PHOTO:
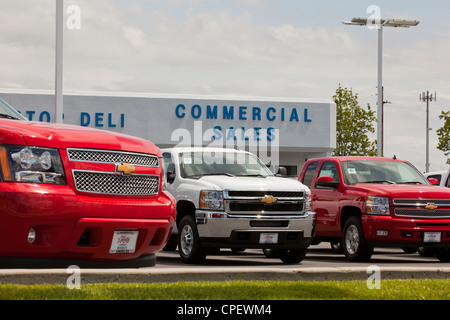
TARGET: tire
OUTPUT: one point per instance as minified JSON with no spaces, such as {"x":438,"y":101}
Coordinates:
{"x":443,"y":255}
{"x":426,"y":252}
{"x":270,"y":253}
{"x":189,"y":245}
{"x":291,"y":256}
{"x":353,"y":242}
{"x":336,"y":246}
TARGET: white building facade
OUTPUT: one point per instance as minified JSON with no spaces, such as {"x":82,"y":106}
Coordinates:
{"x":282,"y":132}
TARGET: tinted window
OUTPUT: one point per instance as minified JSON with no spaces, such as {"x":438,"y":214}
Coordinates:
{"x":309,"y":174}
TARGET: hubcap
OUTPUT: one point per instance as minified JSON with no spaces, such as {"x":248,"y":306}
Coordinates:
{"x":187,"y":240}
{"x":352,"y":239}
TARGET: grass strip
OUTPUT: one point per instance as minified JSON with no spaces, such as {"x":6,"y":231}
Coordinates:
{"x":414,"y":289}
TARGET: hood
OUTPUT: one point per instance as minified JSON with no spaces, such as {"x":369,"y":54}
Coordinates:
{"x":403,"y":190}
{"x":222,"y":182}
{"x":62,"y":136}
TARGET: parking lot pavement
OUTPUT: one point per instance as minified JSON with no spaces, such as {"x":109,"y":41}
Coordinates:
{"x":319,"y":264}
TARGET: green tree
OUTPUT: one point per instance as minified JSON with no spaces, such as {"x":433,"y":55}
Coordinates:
{"x":353,"y":124}
{"x":444,"y":134}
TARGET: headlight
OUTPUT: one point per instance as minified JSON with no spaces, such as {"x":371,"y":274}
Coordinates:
{"x":211,"y":200}
{"x":377,"y":205}
{"x":307,"y":201}
{"x":31,"y":164}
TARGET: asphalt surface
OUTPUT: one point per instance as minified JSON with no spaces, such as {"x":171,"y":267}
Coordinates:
{"x":319,"y":264}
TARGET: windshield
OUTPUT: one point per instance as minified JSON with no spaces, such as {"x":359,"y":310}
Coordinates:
{"x":8,"y":112}
{"x":376,"y":171}
{"x":230,"y":163}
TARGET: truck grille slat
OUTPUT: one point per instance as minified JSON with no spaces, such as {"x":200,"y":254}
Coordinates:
{"x":109,"y":183}
{"x":249,"y":203}
{"x":106,"y":156}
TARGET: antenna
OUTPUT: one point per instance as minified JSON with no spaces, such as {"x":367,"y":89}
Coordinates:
{"x":427,"y":97}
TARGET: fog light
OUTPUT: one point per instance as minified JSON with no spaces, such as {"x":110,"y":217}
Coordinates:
{"x":382,"y":233}
{"x":31,"y":236}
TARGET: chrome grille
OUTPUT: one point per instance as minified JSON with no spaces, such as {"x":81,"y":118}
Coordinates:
{"x":438,"y":213}
{"x":421,"y":202}
{"x":115,"y":184}
{"x":107,"y":156}
{"x":248,"y":203}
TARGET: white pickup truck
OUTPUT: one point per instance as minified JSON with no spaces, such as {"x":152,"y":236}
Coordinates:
{"x":443,"y":177}
{"x":228,"y":199}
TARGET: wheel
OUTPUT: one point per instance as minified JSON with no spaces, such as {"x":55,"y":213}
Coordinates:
{"x":189,"y":245}
{"x":426,"y":252}
{"x":336,"y":246}
{"x":270,"y":253}
{"x":354,"y":244}
{"x":443,"y":255}
{"x":291,"y":255}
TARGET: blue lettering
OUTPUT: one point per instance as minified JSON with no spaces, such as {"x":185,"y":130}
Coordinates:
{"x":257,"y":133}
{"x":217,"y":133}
{"x":98,"y":119}
{"x":228,"y":113}
{"x":294,"y":115}
{"x":269,"y":117}
{"x":177,"y":111}
{"x":243,"y":137}
{"x":195,"y":114}
{"x":85,"y":119}
{"x":282,"y":114}
{"x":46,"y":114}
{"x":242,"y":113}
{"x":231,"y":134}
{"x":110,"y":124}
{"x":256,"y":113}
{"x":306,"y":115}
{"x":30,"y":114}
{"x":270,"y":135}
{"x":211,"y":113}
{"x":122,"y":120}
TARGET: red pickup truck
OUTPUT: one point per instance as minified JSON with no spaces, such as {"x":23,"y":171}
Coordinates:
{"x":79,"y":193}
{"x":367,"y":202}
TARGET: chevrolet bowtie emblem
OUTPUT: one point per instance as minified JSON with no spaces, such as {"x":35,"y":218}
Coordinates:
{"x":269,"y":200}
{"x":431,"y":206}
{"x":125,"y":168}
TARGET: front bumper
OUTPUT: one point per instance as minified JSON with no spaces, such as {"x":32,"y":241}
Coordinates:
{"x":406,"y":232}
{"x":217,"y":229}
{"x":71,"y":226}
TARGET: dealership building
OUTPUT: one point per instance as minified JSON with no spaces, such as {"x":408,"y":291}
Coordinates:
{"x":283,"y":132}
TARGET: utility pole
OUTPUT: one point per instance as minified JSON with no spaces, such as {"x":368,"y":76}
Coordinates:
{"x":59,"y":62}
{"x":382,"y":120}
{"x":427,"y":98}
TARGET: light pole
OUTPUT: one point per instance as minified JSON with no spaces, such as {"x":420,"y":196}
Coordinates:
{"x":59,"y":62}
{"x":379,"y":24}
{"x":427,"y":98}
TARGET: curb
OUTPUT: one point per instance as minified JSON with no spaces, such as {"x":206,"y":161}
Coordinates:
{"x":91,"y":276}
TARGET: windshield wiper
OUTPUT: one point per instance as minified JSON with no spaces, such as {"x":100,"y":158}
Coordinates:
{"x":252,"y":175}
{"x":7,"y":116}
{"x":198,"y":176}
{"x":380,"y":181}
{"x":412,"y":182}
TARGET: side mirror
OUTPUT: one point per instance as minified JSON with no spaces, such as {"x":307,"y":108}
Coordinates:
{"x":282,"y":172}
{"x":328,"y":182}
{"x":170,"y":177}
{"x":434,"y":181}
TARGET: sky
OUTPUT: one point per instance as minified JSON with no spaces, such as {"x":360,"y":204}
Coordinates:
{"x":264,"y":48}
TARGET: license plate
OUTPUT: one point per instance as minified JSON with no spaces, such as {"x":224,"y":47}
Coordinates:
{"x":124,"y":242}
{"x":268,"y":238}
{"x":431,"y":237}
